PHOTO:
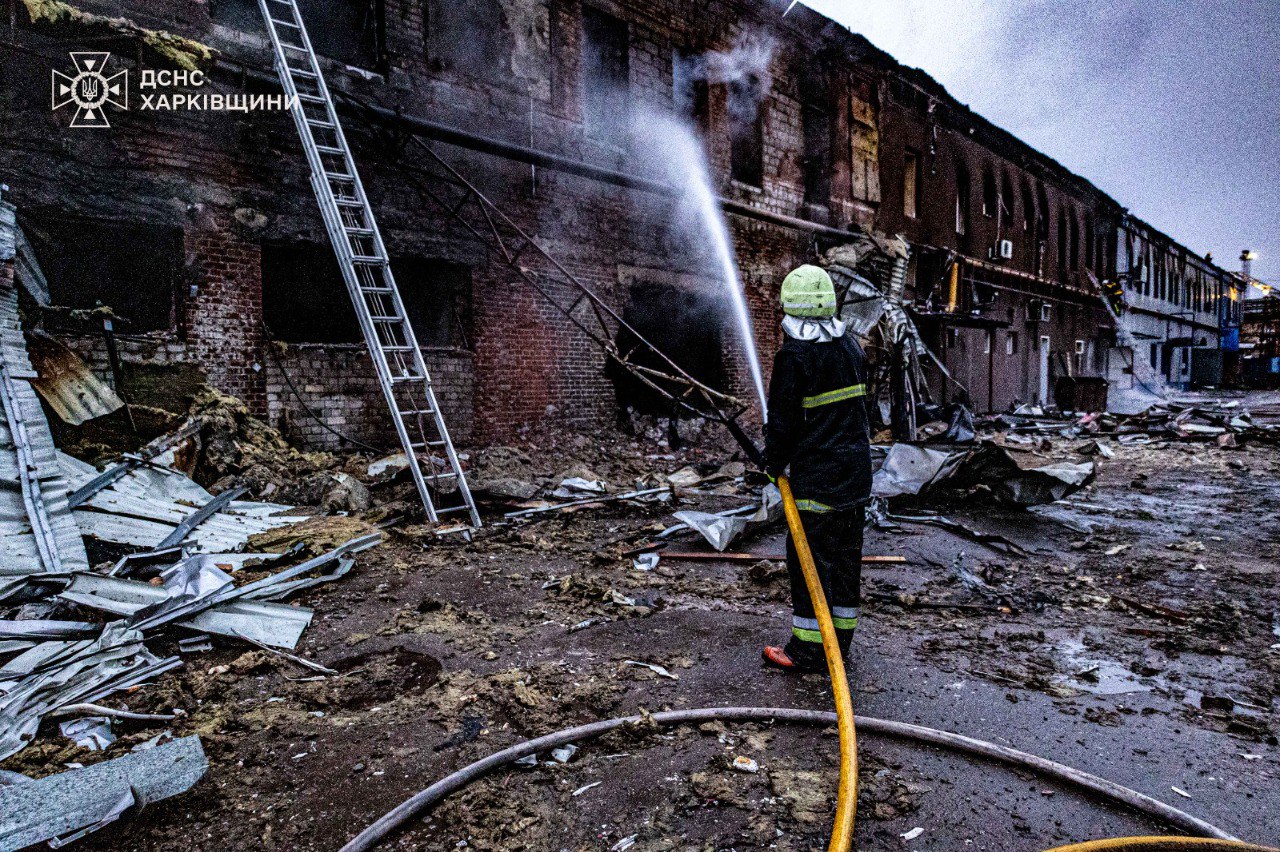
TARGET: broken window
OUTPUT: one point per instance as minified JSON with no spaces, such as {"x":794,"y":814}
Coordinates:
{"x":683,"y":322}
{"x":132,"y":269}
{"x":962,"y":202}
{"x":304,"y":299}
{"x":1074,"y":258}
{"x":817,"y":153}
{"x":691,"y":94}
{"x":1028,"y":208}
{"x":990,"y":195}
{"x":911,"y":184}
{"x":350,"y":31}
{"x":1042,"y":213}
{"x":1011,"y":343}
{"x":606,"y":75}
{"x":746,"y":131}
{"x":1062,"y":239}
{"x":470,"y":38}
{"x":815,"y":120}
{"x":437,"y":299}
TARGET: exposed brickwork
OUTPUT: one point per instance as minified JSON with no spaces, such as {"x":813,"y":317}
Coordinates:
{"x":224,"y":314}
{"x":233,"y":182}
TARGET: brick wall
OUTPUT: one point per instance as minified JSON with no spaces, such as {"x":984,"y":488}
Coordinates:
{"x":233,"y":182}
{"x":337,"y":383}
{"x":224,"y":314}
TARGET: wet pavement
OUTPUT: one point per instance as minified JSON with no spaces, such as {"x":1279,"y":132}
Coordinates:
{"x":1132,"y":640}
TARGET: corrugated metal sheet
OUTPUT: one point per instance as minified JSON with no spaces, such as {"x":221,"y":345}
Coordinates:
{"x":66,"y":383}
{"x":145,"y":505}
{"x":19,"y":553}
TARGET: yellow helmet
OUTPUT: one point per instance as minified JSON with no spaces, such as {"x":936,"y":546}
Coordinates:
{"x":808,"y":292}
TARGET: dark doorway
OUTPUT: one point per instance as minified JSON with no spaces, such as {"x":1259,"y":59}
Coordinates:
{"x":133,"y":269}
{"x":685,"y":325}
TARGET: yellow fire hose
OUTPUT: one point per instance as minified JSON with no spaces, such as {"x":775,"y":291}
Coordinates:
{"x":1161,"y":844}
{"x":847,"y":795}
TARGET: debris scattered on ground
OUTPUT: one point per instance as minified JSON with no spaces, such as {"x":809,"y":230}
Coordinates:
{"x":69,"y":805}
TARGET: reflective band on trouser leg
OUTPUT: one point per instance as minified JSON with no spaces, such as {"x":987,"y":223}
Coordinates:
{"x":839,"y":395}
{"x":812,"y":506}
{"x":806,"y":629}
{"x":845,"y":617}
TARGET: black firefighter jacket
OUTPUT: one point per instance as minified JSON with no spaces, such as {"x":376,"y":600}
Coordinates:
{"x":818,"y":423}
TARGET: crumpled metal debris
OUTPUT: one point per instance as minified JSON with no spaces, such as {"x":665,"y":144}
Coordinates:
{"x":908,"y":469}
{"x":55,"y":674}
{"x":91,"y":732}
{"x":67,"y":806}
{"x":720,"y":530}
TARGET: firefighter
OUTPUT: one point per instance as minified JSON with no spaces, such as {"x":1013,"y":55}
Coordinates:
{"x":818,"y":430}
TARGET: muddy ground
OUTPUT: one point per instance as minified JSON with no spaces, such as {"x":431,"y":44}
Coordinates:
{"x":1136,"y":637}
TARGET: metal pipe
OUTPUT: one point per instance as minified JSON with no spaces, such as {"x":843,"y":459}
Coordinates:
{"x":416,"y":804}
{"x":553,"y":162}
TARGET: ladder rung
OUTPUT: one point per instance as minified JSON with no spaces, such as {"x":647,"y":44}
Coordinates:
{"x":349,"y":202}
{"x":386,"y":318}
{"x":281,"y":23}
{"x":375,"y":289}
{"x":358,"y":232}
{"x":298,"y":72}
{"x":315,"y":99}
{"x":448,"y":474}
{"x":396,"y":348}
{"x":329,"y":149}
{"x":296,"y":47}
{"x":418,"y":411}
{"x":407,"y":378}
{"x":339,"y":176}
{"x":367,"y":258}
{"x":315,"y":122}
{"x":452,"y":509}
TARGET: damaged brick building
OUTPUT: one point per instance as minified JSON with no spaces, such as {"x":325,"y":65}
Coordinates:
{"x":199,"y":226}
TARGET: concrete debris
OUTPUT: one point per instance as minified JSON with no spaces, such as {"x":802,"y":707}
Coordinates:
{"x":65,"y":807}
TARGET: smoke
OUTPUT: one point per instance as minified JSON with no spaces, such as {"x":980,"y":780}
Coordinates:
{"x":674,"y":155}
{"x":745,"y":69}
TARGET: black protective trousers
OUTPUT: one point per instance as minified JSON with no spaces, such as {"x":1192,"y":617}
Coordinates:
{"x":835,"y":538}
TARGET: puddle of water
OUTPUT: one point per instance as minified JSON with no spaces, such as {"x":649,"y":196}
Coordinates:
{"x":1097,"y":675}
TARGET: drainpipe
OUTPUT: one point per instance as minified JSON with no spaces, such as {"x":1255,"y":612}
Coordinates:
{"x":953,"y":294}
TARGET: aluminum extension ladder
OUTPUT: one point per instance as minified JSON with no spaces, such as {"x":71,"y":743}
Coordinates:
{"x":365,"y":264}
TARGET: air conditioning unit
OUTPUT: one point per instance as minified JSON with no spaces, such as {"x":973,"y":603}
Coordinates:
{"x":1002,"y":250}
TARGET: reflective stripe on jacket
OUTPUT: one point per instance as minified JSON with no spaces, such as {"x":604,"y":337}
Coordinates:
{"x":818,"y":423}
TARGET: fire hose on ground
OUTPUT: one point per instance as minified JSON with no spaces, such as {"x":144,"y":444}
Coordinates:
{"x":1206,"y":837}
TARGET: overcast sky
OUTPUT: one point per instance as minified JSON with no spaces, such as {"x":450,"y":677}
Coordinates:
{"x":1172,"y":107}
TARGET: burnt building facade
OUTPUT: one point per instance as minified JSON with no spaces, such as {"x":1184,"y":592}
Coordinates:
{"x":576,"y":118}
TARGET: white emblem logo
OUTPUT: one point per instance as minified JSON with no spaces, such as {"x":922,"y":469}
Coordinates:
{"x":91,"y":90}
